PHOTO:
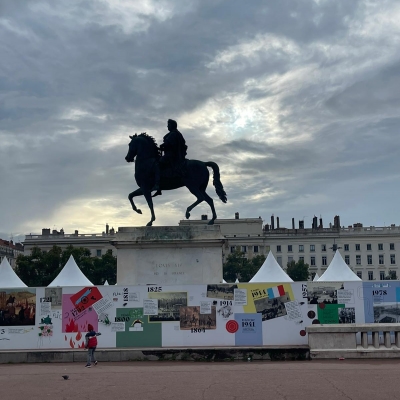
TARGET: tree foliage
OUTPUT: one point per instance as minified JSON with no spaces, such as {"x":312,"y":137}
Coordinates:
{"x":40,"y":268}
{"x":392,"y":276}
{"x":298,"y":271}
{"x":237,"y":266}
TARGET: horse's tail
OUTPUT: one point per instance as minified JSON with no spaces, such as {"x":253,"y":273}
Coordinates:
{"x":217,"y":181}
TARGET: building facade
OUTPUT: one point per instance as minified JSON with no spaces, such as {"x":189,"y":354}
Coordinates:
{"x":97,"y":243}
{"x":371,"y":252}
{"x":10,"y":250}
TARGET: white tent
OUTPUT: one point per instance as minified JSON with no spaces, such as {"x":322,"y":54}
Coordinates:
{"x":237,"y":280}
{"x":271,"y":271}
{"x":8,"y":278}
{"x":106,"y":283}
{"x":316,"y":277}
{"x":224,"y":281}
{"x":71,"y":275}
{"x":338,"y":271}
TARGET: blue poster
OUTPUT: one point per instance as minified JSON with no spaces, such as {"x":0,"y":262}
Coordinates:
{"x":250,"y":329}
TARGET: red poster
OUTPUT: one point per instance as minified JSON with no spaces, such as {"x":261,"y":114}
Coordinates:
{"x":86,"y":297}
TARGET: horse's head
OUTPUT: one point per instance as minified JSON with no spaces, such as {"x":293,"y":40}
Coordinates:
{"x":143,"y":146}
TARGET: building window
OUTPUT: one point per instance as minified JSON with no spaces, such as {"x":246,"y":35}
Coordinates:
{"x":233,"y":248}
{"x":312,"y":261}
{"x":98,"y":253}
{"x":323,"y":260}
{"x":346,"y":247}
{"x":244,"y":249}
{"x":312,"y":275}
{"x":347,"y":260}
{"x":393,"y":259}
{"x":255,"y":249}
{"x":382,"y":276}
{"x":290,"y":247}
{"x":358,"y":260}
{"x":278,"y":248}
{"x":357,"y":247}
{"x":380,"y":246}
{"x":391,"y":246}
{"x":301,"y":248}
{"x":359,"y":274}
{"x":370,"y":275}
{"x":279,"y":260}
{"x":312,"y":247}
{"x":289,"y":259}
{"x":369,"y":246}
{"x":301,"y":259}
{"x":323,"y":247}
{"x":369,"y":259}
{"x":381,"y":259}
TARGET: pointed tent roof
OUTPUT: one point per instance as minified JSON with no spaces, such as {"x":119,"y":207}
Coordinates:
{"x":338,"y":270}
{"x":106,"y":283}
{"x":71,"y":275}
{"x":271,"y":271}
{"x":224,"y":281}
{"x":237,"y":280}
{"x":8,"y":277}
{"x":316,"y":277}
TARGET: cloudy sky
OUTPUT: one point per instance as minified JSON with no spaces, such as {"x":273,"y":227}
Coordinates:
{"x":297,"y":101}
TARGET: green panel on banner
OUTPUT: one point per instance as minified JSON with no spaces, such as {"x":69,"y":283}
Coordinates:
{"x":329,"y":314}
{"x":138,"y":331}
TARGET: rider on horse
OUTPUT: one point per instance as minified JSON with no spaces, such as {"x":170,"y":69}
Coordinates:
{"x":174,"y":148}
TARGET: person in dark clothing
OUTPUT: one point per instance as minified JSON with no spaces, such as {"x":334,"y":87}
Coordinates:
{"x":91,"y":344}
{"x":174,"y":148}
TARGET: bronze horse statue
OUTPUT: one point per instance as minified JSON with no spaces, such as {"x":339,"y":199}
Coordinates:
{"x":195,"y":176}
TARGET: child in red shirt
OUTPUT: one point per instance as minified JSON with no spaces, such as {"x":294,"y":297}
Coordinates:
{"x":91,"y":344}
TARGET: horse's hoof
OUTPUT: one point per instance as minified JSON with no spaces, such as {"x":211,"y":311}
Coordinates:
{"x":149,"y":223}
{"x":211,"y":222}
{"x":139,"y":211}
{"x":187,"y":215}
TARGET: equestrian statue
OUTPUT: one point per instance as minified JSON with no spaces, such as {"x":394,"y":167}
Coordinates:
{"x":157,"y":172}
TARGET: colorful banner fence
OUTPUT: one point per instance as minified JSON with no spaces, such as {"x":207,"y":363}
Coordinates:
{"x":242,"y":314}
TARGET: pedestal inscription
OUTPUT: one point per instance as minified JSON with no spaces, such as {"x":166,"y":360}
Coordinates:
{"x":169,"y":255}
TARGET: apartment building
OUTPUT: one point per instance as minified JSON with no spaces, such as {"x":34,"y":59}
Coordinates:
{"x":10,"y":250}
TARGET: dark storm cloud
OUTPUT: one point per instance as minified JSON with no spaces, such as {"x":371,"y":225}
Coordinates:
{"x":77,"y":77}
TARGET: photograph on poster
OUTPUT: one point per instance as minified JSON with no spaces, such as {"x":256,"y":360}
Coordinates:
{"x":190,"y":317}
{"x":386,"y":313}
{"x":225,"y":292}
{"x":225,"y":311}
{"x":347,"y":315}
{"x":17,"y":307}
{"x":169,"y":304}
{"x":54,"y":296}
{"x":272,"y":308}
{"x":323,"y":292}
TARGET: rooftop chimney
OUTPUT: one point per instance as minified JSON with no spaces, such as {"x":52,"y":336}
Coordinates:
{"x":107,"y":229}
{"x":293,"y":227}
{"x":321,"y":225}
{"x":272,"y":222}
{"x":277,"y":222}
{"x":301,"y":224}
{"x":315,"y":222}
{"x":204,"y":217}
{"x":236,"y":215}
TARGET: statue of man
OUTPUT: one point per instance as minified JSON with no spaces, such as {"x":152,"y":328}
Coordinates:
{"x":174,"y":148}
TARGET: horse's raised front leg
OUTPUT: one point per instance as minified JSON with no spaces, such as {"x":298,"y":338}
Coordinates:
{"x":149,"y":199}
{"x":137,"y":192}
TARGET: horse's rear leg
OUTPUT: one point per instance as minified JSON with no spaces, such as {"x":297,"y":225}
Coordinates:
{"x":200,"y":197}
{"x":137,"y":192}
{"x":210,"y":202}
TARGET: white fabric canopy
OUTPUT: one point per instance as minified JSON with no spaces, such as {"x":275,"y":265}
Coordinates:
{"x":224,"y":281}
{"x":8,"y":277}
{"x":316,"y":277}
{"x":71,"y":275}
{"x":338,"y":271}
{"x":106,"y":283}
{"x":237,"y":280}
{"x":271,"y":271}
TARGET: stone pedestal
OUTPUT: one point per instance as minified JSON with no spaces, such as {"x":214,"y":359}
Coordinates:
{"x":169,"y":255}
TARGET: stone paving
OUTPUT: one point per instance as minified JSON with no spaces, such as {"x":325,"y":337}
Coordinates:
{"x":347,"y":379}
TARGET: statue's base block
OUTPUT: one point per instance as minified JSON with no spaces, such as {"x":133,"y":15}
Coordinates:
{"x":169,"y":255}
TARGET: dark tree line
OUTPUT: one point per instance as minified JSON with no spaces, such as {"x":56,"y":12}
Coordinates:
{"x":40,"y":267}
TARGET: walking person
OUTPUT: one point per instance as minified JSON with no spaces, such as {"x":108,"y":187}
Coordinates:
{"x":91,"y":344}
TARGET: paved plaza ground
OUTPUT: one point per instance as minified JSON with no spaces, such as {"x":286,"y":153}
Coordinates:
{"x":306,"y":380}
